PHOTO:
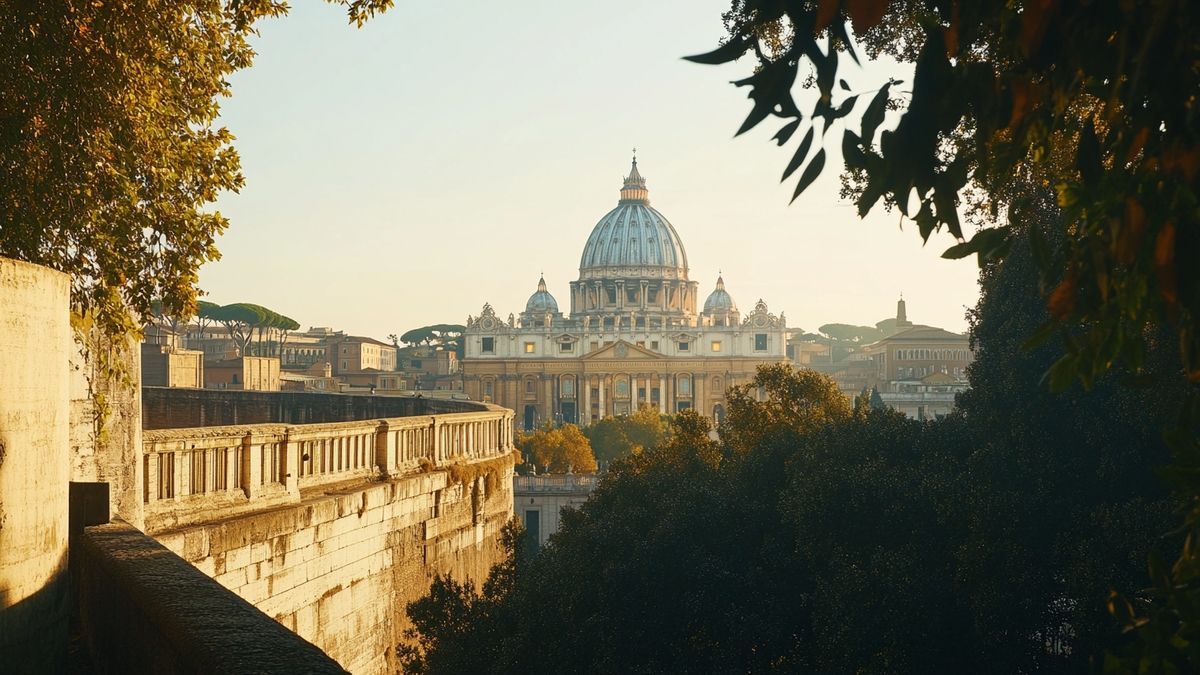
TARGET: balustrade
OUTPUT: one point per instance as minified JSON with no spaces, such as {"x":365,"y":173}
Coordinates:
{"x":239,"y":468}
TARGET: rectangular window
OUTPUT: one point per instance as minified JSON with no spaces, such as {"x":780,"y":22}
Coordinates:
{"x":654,"y":345}
{"x":612,"y":296}
{"x":565,"y":346}
{"x":716,"y":345}
{"x":684,"y":345}
{"x":631,"y":295}
{"x":529,"y":347}
{"x":595,"y":345}
{"x":760,"y":342}
{"x":489,"y":345}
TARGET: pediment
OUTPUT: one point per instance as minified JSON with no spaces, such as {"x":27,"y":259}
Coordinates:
{"x":621,"y":350}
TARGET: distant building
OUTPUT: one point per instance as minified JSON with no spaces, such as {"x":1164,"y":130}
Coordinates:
{"x":250,"y":373}
{"x":916,"y":369}
{"x":633,"y":338}
{"x":355,"y":355}
{"x":539,"y":501}
{"x":165,"y":363}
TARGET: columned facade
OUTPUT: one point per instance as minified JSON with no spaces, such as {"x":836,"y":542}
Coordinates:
{"x":633,"y":337}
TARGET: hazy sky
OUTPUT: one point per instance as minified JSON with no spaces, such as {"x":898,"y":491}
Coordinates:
{"x":405,"y":173}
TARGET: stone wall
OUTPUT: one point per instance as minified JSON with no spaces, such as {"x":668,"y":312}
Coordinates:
{"x":339,"y":568}
{"x":35,"y":340}
{"x":106,"y":438}
{"x":144,"y":610}
{"x":169,"y":408}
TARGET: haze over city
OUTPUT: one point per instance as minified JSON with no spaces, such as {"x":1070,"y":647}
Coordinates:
{"x":404,"y":173}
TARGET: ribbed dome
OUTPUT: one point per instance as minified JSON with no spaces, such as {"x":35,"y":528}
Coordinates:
{"x":541,"y":301}
{"x":635,"y":235}
{"x":719,"y":300}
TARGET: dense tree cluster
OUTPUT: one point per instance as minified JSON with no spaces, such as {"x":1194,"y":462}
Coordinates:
{"x":816,"y":535}
{"x":616,"y":437}
{"x":439,"y":336}
{"x":553,"y":449}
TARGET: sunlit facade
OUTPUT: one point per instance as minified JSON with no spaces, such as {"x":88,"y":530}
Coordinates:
{"x":633,"y":336}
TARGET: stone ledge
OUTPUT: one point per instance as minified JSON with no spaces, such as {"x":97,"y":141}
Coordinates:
{"x":145,"y":609}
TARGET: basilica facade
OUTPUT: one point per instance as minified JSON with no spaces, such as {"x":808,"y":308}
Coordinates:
{"x":633,"y":336}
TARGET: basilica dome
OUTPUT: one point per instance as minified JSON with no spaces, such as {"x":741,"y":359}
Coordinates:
{"x":719,"y":300}
{"x":634,"y":239}
{"x":541,"y":301}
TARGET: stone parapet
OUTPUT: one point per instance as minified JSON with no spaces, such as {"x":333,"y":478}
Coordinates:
{"x":146,"y":610}
{"x":199,"y":474}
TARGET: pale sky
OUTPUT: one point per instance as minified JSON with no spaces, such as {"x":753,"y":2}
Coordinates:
{"x":445,"y":154}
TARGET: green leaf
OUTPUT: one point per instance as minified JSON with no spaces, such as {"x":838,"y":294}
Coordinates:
{"x":730,"y":51}
{"x":1061,"y":374}
{"x":873,"y":117}
{"x":983,"y":243}
{"x":810,"y":173}
{"x":781,"y":137}
{"x":798,"y":158}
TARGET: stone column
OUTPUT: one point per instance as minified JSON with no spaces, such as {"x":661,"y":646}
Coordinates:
{"x":602,"y":411}
{"x":670,"y":394}
{"x":585,"y":415}
{"x":662,"y":394}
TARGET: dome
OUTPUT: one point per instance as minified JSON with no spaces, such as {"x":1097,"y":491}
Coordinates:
{"x":541,"y":301}
{"x":634,"y":235}
{"x":719,"y":300}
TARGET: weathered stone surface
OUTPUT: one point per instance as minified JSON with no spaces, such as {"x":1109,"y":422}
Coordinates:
{"x":146,"y":610}
{"x":339,"y":569}
{"x":35,"y":339}
{"x":106,"y":443}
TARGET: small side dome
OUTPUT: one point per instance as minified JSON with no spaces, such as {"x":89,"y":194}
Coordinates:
{"x":719,"y":300}
{"x":541,"y":301}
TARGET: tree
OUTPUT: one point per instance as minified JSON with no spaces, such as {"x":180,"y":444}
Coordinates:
{"x":239,"y":320}
{"x":1093,"y":101}
{"x":109,"y":148}
{"x":803,"y":400}
{"x":616,"y":437}
{"x":847,"y":333}
{"x":816,"y":537}
{"x":446,"y":336}
{"x":557,"y":449}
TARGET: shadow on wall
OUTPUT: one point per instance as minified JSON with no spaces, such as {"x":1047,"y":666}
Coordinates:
{"x":41,"y":618}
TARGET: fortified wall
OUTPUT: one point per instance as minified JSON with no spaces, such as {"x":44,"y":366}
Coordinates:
{"x":333,"y":528}
{"x":255,"y":532}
